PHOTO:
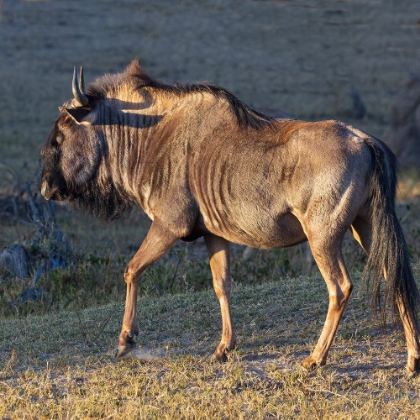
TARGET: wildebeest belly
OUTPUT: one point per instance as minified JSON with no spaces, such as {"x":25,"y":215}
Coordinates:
{"x":257,"y":227}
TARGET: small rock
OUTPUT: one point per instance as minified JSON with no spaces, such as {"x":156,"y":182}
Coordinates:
{"x":13,"y":258}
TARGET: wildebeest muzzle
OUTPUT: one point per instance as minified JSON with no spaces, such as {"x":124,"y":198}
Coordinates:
{"x":53,"y":189}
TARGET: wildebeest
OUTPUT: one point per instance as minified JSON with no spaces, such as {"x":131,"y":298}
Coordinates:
{"x":203,"y":164}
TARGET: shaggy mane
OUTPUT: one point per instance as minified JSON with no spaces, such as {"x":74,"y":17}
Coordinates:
{"x":138,"y":78}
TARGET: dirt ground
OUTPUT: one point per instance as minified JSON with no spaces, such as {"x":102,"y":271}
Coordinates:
{"x":310,"y":58}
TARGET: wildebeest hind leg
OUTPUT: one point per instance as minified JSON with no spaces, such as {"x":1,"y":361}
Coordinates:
{"x":327,"y":253}
{"x":362,"y":231}
{"x":218,"y":250}
{"x":157,"y":242}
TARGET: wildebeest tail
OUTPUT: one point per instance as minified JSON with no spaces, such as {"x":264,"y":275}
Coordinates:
{"x":388,"y":247}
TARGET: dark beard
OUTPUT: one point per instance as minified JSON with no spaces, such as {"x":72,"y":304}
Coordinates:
{"x":102,"y":203}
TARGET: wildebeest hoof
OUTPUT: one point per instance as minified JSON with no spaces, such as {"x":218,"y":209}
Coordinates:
{"x":223,"y":351}
{"x":310,"y":363}
{"x":413,"y":368}
{"x":124,"y":350}
{"x":410,"y":374}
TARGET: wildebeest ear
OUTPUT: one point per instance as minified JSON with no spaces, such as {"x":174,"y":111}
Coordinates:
{"x":79,"y":114}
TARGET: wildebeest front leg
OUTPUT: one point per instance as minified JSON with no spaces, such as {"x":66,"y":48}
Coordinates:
{"x":157,"y":242}
{"x":218,"y":250}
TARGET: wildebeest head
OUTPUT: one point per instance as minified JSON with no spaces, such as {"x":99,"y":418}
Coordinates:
{"x":74,"y":166}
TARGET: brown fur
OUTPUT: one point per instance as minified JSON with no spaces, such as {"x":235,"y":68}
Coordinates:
{"x":202,"y":163}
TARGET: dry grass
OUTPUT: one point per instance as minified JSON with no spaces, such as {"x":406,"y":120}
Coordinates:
{"x":62,"y":366}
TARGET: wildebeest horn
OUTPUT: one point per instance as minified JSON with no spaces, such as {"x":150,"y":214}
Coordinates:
{"x":81,"y":81}
{"x":77,"y":88}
